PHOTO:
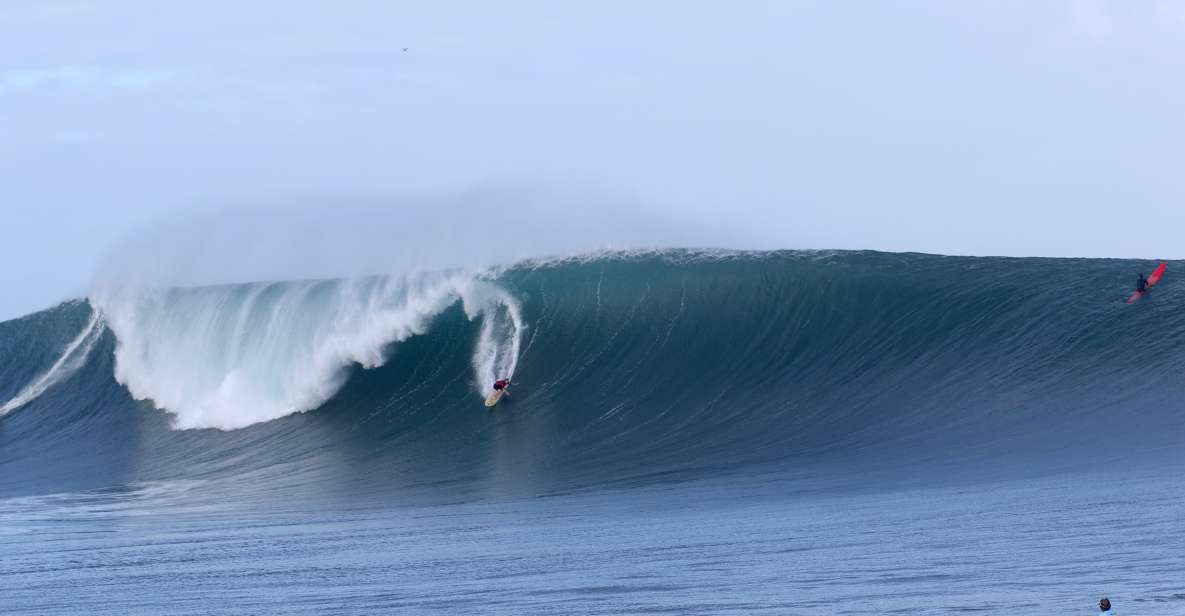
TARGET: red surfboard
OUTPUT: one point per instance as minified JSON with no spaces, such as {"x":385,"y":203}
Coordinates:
{"x":1153,"y":279}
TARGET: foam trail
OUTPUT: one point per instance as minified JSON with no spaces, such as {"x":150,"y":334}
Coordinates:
{"x":499,"y":344}
{"x":73,"y":357}
{"x":230,"y":356}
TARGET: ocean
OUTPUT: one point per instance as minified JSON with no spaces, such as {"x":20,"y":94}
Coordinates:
{"x":688,"y":432}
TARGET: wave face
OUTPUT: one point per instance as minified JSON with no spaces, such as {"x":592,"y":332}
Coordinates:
{"x":628,"y":368}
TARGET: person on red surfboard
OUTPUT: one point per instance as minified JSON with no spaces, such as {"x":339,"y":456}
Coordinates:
{"x":1143,"y":285}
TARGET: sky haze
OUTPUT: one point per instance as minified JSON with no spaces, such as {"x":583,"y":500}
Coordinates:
{"x":988,"y":128}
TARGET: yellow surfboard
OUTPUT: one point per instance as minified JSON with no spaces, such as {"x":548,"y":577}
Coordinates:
{"x":494,"y":397}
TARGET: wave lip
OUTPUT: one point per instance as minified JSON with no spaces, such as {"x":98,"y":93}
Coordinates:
{"x":227,"y":357}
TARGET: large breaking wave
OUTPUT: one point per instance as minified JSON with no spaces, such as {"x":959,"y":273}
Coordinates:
{"x":231,"y":356}
{"x":643,"y":367}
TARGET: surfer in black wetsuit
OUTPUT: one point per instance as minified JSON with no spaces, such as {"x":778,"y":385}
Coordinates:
{"x":1141,"y":283}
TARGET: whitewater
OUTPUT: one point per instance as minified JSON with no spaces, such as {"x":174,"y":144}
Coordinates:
{"x":690,"y":431}
{"x":228,"y":357}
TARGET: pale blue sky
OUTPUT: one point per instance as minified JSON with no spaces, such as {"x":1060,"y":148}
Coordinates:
{"x":1020,"y":128}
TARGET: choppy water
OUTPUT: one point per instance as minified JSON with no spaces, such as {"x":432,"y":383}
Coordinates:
{"x":1037,"y":546}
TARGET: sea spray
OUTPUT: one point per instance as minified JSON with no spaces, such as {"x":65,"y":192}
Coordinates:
{"x":231,"y":356}
{"x":499,"y":344}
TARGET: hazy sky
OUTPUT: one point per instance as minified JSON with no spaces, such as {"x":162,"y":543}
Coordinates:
{"x":993,"y":127}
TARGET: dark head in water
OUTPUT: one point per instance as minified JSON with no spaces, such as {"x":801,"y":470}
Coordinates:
{"x":1104,"y":605}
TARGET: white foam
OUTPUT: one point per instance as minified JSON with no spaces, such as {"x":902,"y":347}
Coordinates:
{"x":230,"y":356}
{"x":498,"y":346}
{"x":73,"y":357}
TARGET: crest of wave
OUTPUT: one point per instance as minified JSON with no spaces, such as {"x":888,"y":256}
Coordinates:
{"x":230,"y":356}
